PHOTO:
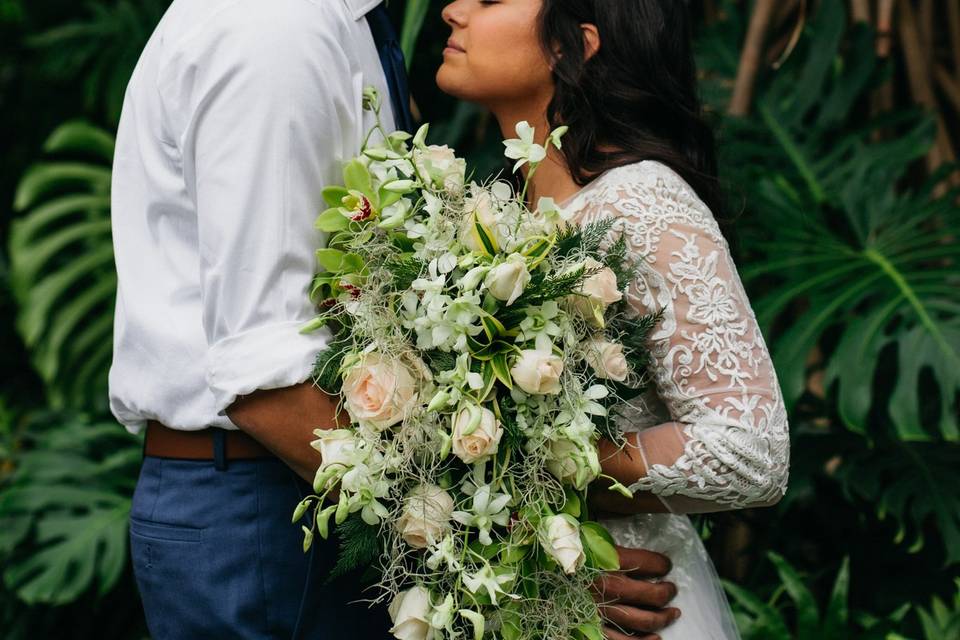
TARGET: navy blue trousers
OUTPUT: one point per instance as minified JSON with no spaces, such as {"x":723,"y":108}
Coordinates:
{"x":216,"y":556}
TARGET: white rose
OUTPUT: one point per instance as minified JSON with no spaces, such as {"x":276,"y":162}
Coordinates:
{"x":336,"y":447}
{"x":441,"y":166}
{"x":572,"y":463}
{"x":484,"y":438}
{"x":560,"y":538}
{"x":537,"y":372}
{"x":426,"y":516}
{"x":607,"y":360}
{"x":507,"y":281}
{"x":409,"y":612}
{"x":379,"y":390}
{"x":598,"y":291}
{"x":479,"y":207}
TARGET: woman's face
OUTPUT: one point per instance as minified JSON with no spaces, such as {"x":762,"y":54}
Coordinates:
{"x":494,"y":54}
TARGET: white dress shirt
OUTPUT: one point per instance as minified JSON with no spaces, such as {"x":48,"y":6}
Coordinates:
{"x":238,"y":113}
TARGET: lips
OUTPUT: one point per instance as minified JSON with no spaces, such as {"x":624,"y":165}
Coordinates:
{"x":451,"y":44}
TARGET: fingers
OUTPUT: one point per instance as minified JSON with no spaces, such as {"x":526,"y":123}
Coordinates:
{"x":613,"y":634}
{"x":633,"y":619}
{"x":614,"y":588}
{"x":641,"y":563}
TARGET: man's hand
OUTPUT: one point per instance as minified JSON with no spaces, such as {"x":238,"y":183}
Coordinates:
{"x":632,"y":606}
{"x":283,"y":421}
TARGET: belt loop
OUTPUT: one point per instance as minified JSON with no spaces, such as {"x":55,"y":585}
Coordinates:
{"x":219,"y":449}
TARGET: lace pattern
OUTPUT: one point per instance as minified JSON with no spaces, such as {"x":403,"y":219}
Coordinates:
{"x":725,"y":441}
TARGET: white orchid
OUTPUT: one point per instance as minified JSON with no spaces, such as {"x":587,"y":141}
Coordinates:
{"x":488,"y":509}
{"x":488,"y":579}
{"x":524,"y":149}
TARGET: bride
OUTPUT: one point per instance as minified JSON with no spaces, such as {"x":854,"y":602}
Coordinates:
{"x":711,"y":432}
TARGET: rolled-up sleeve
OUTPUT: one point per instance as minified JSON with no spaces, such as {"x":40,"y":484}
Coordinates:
{"x":258,"y":111}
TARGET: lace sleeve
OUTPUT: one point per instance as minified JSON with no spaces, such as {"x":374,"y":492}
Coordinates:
{"x":727,"y":444}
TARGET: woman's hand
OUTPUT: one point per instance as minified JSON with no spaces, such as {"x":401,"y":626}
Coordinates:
{"x":631,"y":604}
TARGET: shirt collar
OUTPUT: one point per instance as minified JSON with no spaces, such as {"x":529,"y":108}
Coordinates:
{"x":360,"y":8}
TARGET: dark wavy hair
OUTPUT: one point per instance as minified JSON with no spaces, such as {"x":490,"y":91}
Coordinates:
{"x":636,"y":98}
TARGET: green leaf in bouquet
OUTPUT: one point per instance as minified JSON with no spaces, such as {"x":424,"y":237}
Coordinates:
{"x":485,"y":239}
{"x":514,"y":553}
{"x":489,"y":379}
{"x":330,"y":259}
{"x":590,"y":632}
{"x":357,"y":177}
{"x":405,"y":269}
{"x":573,"y":505}
{"x":602,"y":552}
{"x":332,"y":220}
{"x":334,"y":196}
{"x":359,"y":546}
{"x":501,"y":369}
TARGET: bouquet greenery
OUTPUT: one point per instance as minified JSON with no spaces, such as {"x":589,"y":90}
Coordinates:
{"x":478,"y":350}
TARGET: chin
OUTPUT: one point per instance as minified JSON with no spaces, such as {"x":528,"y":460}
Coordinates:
{"x":449,"y":82}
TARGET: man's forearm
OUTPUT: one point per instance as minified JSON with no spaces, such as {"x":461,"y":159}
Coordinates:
{"x":283,"y":421}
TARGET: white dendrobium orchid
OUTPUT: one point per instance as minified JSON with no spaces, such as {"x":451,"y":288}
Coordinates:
{"x":488,"y":509}
{"x":487,"y":578}
{"x":444,"y":552}
{"x":524,"y":149}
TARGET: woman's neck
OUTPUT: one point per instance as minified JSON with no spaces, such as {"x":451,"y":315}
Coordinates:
{"x":552,"y":178}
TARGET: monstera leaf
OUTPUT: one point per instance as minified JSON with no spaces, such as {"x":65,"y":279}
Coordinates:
{"x":912,"y":482}
{"x":61,"y":264}
{"x":839,"y":248}
{"x":760,"y":619}
{"x":64,"y":511}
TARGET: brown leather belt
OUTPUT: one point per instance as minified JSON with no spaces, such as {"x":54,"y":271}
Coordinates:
{"x":164,"y":442}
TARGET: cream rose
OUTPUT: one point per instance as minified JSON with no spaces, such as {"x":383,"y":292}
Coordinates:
{"x":479,"y":207}
{"x":598,"y":291}
{"x":607,"y":360}
{"x":426,"y":516}
{"x":476,"y":434}
{"x":537,"y":372}
{"x":409,"y":612}
{"x":440,"y":165}
{"x":379,"y":390}
{"x":507,"y":280}
{"x":560,"y":538}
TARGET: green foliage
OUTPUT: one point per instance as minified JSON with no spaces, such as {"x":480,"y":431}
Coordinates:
{"x":61,"y":265}
{"x":359,"y":546}
{"x":841,"y":245}
{"x":760,"y":619}
{"x":942,"y":620}
{"x":64,"y":509}
{"x":913,"y":482}
{"x":326,"y":368}
{"x":101,"y":49}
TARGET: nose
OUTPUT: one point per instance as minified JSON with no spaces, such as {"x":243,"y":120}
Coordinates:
{"x":453,"y":14}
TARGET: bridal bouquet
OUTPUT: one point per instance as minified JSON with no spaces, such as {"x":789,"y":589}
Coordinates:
{"x":478,"y":349}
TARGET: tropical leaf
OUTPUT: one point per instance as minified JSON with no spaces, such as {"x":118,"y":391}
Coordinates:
{"x":66,"y":508}
{"x":913,"y":482}
{"x":61,"y":265}
{"x":839,"y":246}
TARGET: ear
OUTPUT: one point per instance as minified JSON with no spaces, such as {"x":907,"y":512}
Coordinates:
{"x":591,"y":39}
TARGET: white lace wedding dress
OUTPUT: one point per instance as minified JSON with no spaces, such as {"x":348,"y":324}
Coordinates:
{"x":712,"y":428}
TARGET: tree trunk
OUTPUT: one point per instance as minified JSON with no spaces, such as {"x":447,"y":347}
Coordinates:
{"x":751,"y":56}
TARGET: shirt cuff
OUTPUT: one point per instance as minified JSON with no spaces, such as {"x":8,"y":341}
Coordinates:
{"x":269,"y":357}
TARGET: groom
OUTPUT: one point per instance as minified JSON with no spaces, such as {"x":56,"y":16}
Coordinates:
{"x":237,"y":114}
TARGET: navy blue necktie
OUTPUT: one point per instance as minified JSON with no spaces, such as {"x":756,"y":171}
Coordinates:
{"x":391,"y":58}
